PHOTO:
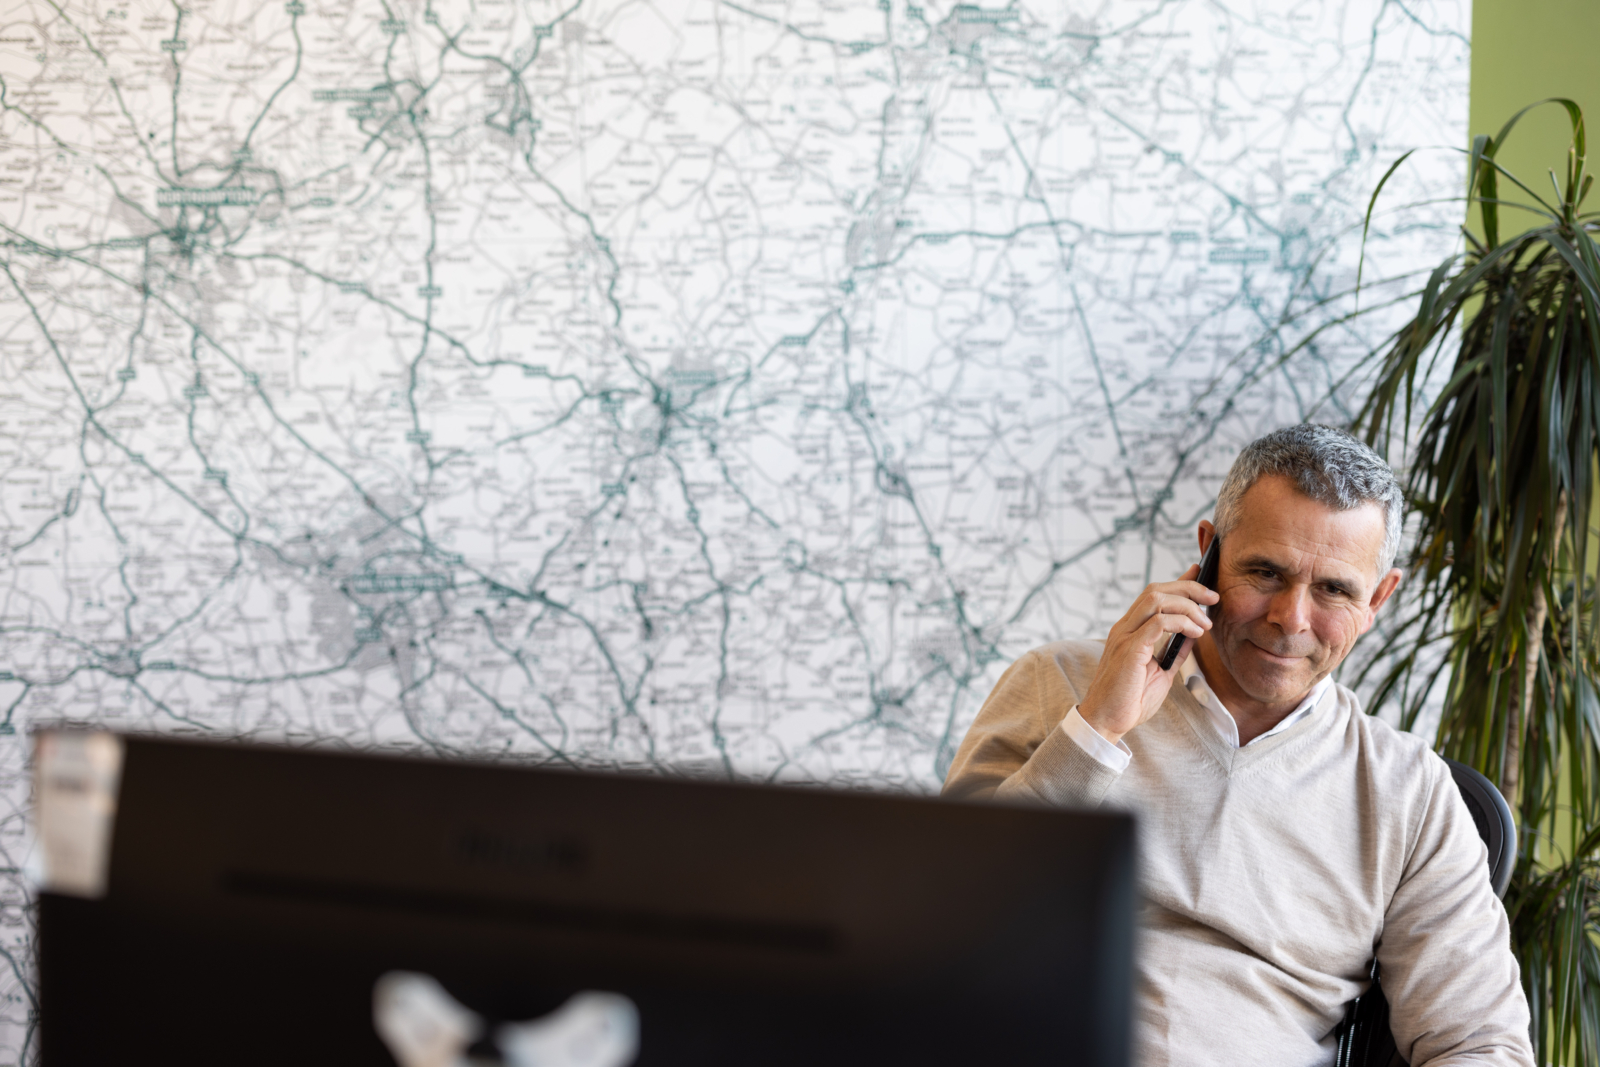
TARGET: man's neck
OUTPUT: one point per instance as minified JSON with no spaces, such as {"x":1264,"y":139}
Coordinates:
{"x":1252,"y":717}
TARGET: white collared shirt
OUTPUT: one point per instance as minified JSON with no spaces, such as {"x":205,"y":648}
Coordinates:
{"x":1115,"y":757}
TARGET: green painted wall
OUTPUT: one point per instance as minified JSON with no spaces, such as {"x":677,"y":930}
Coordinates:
{"x":1526,"y":50}
{"x":1523,"y":51}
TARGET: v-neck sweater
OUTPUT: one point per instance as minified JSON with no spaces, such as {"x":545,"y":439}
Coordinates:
{"x":1274,"y":872}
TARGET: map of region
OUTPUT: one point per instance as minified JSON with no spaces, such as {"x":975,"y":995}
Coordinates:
{"x":715,"y":387}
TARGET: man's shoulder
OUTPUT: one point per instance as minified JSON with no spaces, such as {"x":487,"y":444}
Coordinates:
{"x":1073,"y":647}
{"x":1395,"y":757}
{"x":1076,"y":658}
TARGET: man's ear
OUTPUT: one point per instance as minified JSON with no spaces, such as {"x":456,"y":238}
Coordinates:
{"x":1384,"y":590}
{"x":1205,"y":534}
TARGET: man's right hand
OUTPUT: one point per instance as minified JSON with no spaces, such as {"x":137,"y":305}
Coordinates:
{"x":1129,"y":684}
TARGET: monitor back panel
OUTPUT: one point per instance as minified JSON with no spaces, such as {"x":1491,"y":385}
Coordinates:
{"x":257,"y":894}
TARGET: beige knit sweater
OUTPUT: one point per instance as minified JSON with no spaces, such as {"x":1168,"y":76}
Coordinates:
{"x":1273,"y":872}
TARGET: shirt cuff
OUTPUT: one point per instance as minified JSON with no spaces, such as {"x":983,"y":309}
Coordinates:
{"x":1112,"y":757}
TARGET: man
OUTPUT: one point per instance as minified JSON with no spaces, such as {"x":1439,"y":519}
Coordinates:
{"x":1285,"y":836}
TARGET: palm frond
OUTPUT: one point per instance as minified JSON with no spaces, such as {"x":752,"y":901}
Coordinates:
{"x":1502,"y":477}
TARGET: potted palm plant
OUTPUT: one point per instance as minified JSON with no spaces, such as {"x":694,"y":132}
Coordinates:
{"x":1503,"y":608}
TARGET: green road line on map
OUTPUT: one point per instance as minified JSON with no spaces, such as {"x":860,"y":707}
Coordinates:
{"x":92,"y":419}
{"x":851,"y":47}
{"x":519,"y":657}
{"x":510,"y":715}
{"x":177,"y":87}
{"x":238,"y":365}
{"x":194,"y":394}
{"x":299,"y":56}
{"x":692,"y":513}
{"x":116,"y":89}
{"x":24,"y":976}
{"x":1105,"y":392}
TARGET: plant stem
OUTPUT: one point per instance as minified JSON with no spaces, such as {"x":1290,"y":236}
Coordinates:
{"x":1538,"y":611}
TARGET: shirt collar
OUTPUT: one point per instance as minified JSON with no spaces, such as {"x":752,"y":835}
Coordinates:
{"x":1222,"y":719}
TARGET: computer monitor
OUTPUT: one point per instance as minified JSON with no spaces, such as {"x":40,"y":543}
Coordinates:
{"x":255,"y":896}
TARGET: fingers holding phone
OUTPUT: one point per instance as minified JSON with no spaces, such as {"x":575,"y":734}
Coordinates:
{"x":1136,"y":672}
{"x":1207,"y":576}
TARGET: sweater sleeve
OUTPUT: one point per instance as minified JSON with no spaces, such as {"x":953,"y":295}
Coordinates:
{"x":1015,"y":749}
{"x":1454,"y":989}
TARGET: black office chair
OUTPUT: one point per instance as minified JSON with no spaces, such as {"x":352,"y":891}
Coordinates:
{"x":1364,"y":1037}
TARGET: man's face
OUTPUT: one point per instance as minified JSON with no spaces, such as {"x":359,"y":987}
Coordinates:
{"x":1299,"y":583}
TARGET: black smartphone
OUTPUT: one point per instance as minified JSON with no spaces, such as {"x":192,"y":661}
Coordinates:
{"x":1207,"y":578}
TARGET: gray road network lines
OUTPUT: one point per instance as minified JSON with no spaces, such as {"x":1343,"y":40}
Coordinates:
{"x":727,"y":387}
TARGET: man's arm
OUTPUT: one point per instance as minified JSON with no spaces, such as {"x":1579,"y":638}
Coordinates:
{"x":1018,"y":750}
{"x":1453,"y":986}
{"x":1015,"y":748}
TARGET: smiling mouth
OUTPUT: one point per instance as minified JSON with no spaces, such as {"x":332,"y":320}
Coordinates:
{"x":1273,"y":657}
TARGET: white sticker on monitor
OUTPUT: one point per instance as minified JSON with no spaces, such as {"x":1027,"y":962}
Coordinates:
{"x":75,"y":778}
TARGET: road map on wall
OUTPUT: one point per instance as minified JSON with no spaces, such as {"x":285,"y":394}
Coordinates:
{"x":726,"y":387}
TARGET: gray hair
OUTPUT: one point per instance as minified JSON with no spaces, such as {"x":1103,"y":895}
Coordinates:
{"x":1326,"y":464}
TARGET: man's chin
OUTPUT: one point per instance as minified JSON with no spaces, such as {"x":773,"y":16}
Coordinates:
{"x":1270,"y":679}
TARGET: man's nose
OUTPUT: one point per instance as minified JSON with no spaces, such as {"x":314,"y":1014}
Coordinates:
{"x":1291,"y":610}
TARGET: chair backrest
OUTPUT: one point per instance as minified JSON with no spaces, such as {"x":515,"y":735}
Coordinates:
{"x":1364,"y":1036}
{"x":1492,"y":815}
